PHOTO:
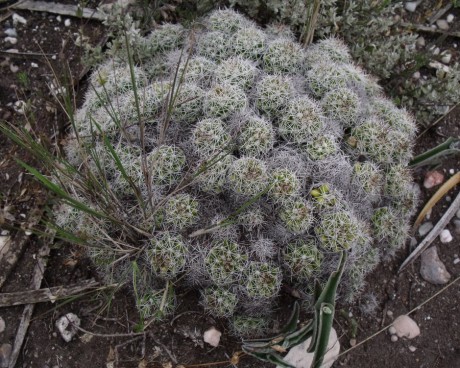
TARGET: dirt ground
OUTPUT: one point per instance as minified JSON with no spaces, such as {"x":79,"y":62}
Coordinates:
{"x":46,"y":43}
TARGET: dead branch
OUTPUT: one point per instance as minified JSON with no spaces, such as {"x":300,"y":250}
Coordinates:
{"x":39,"y":271}
{"x":45,"y":295}
{"x":61,"y":9}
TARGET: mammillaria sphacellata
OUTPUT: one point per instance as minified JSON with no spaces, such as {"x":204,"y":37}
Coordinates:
{"x":241,"y":161}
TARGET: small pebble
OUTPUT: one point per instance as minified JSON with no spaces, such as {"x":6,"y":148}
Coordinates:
{"x":352,"y":342}
{"x":448,"y":198}
{"x":66,"y":326}
{"x":416,"y":75}
{"x":433,"y":178}
{"x":451,"y":171}
{"x":442,"y":24}
{"x":394,"y":338}
{"x":392,"y":330}
{"x":34,"y":65}
{"x":428,"y":214}
{"x":425,"y":228}
{"x":12,"y":40}
{"x":389,"y":313}
{"x":456,"y":261}
{"x":2,"y":325}
{"x":14,"y":68}
{"x":421,"y":42}
{"x":450,"y":18}
{"x":58,"y":18}
{"x":67,"y":22}
{"x":11,"y":32}
{"x":412,"y":348}
{"x":406,"y":327}
{"x":18,"y":19}
{"x":446,"y":58}
{"x":212,"y":336}
{"x":411,"y":6}
{"x":445,"y":236}
{"x":436,"y":51}
{"x":432,"y":269}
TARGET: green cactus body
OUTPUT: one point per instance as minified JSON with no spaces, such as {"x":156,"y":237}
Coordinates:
{"x":167,"y":255}
{"x":210,"y":136}
{"x":296,"y":215}
{"x":180,"y":211}
{"x":166,"y":164}
{"x":284,"y":185}
{"x":283,"y":56}
{"x":303,"y":258}
{"x":272,"y":93}
{"x":219,"y":301}
{"x":338,"y":230}
{"x":225,"y":263}
{"x":248,"y":176}
{"x":263,"y":280}
{"x":256,"y":137}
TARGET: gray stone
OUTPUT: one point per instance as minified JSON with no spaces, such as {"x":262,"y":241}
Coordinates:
{"x":5,"y":354}
{"x":420,"y":42}
{"x":67,"y":326}
{"x":425,"y":228}
{"x":442,"y":24}
{"x":404,"y":326}
{"x":432,"y":269}
{"x":299,"y":358}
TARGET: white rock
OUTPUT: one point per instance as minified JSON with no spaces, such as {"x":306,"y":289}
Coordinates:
{"x":299,"y":358}
{"x":4,"y":240}
{"x":450,"y":18}
{"x":420,"y":41}
{"x":442,"y":24}
{"x":18,"y":19}
{"x":394,"y":338}
{"x":446,"y":58}
{"x":425,"y":228}
{"x":66,"y":326}
{"x":392,"y":330}
{"x":2,"y":325}
{"x":34,"y":65}
{"x":456,"y":260}
{"x":406,"y":327}
{"x":451,"y":171}
{"x":14,"y":69}
{"x":445,"y":236}
{"x":67,"y":22}
{"x":11,"y":32}
{"x":12,"y":40}
{"x":416,"y":75}
{"x":412,"y":348}
{"x":411,"y":6}
{"x":212,"y":336}
{"x":58,"y":18}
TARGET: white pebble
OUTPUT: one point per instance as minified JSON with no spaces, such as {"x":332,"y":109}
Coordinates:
{"x":12,"y":40}
{"x":416,"y":75}
{"x":450,"y":18}
{"x":394,"y":338}
{"x":212,"y":336}
{"x":412,"y":348}
{"x":14,"y":68}
{"x":436,"y":51}
{"x":421,"y":41}
{"x":67,"y":22}
{"x":34,"y":65}
{"x":425,"y":228}
{"x":58,"y":18}
{"x":410,"y":6}
{"x":456,"y":260}
{"x":11,"y":32}
{"x":451,"y":171}
{"x":445,"y":236}
{"x":406,"y":327}
{"x":389,"y":313}
{"x":392,"y":330}
{"x":442,"y":24}
{"x":67,"y":326}
{"x":18,"y":19}
{"x":446,"y":58}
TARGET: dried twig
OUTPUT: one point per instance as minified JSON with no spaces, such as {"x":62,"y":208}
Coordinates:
{"x":10,"y":256}
{"x":44,"y":295}
{"x":39,"y":270}
{"x":454,"y":207}
{"x":62,"y":9}
{"x":422,"y":28}
{"x":440,"y":13}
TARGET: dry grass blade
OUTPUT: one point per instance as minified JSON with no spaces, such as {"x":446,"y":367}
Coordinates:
{"x":448,"y":185}
{"x":454,"y":207}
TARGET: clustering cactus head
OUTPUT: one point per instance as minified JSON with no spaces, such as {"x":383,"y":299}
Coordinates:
{"x":242,"y":160}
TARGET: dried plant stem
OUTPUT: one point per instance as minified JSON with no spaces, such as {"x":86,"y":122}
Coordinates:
{"x":454,"y":207}
{"x":310,"y":22}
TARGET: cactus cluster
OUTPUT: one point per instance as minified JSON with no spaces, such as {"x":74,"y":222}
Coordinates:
{"x":241,"y":161}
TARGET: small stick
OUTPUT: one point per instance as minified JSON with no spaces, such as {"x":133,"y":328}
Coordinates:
{"x":422,"y":28}
{"x":62,"y":9}
{"x":440,"y":13}
{"x":454,"y":207}
{"x":44,"y":295}
{"x":39,"y":271}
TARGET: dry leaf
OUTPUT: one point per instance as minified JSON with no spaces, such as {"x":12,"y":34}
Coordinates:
{"x":448,"y":185}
